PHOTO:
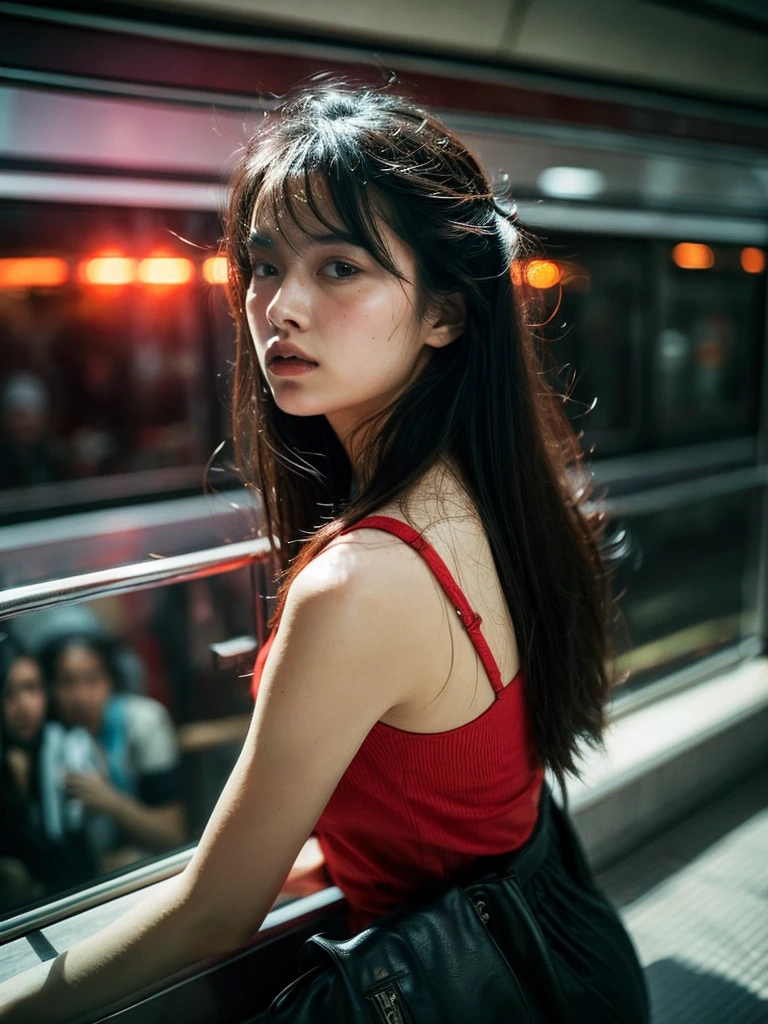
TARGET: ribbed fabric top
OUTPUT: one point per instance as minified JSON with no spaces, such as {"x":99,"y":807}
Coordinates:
{"x":412,"y":809}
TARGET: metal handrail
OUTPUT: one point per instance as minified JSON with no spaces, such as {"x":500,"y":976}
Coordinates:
{"x":142,"y":877}
{"x":80,"y":900}
{"x":125,"y":578}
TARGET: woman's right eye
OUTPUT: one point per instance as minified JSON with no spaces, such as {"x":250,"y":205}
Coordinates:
{"x":261,"y":268}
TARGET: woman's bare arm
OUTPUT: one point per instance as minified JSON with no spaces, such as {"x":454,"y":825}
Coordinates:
{"x":344,"y":655}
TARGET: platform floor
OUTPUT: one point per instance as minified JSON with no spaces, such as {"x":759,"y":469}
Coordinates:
{"x":696,"y":903}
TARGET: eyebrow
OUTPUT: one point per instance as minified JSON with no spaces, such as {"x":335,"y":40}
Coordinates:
{"x":258,"y":240}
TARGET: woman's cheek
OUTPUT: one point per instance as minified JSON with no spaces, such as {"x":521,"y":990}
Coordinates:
{"x":256,"y":324}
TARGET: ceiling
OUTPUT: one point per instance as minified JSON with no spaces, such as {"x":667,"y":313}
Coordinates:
{"x":708,"y":48}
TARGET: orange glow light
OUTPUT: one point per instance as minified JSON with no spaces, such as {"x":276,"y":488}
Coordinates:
{"x":693,"y":256}
{"x":215,"y":270}
{"x":108,"y":270}
{"x":517,"y":272}
{"x":33,"y":272}
{"x":752,"y":260}
{"x":165,"y":270}
{"x":543,"y":274}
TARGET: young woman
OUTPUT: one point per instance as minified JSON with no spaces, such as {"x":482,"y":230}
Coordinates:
{"x":138,"y":792}
{"x":441,"y":634}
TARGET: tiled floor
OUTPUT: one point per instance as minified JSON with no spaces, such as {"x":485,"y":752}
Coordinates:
{"x":696,"y":903}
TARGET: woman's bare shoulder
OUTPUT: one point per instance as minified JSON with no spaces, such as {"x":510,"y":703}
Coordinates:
{"x":365,"y":565}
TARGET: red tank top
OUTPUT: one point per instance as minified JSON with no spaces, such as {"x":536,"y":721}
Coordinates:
{"x":414,"y":808}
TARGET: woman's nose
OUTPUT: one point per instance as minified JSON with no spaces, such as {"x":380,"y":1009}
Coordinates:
{"x":289,"y":307}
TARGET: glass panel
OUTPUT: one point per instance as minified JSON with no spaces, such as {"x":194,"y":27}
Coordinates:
{"x":689,"y":584}
{"x":107,"y":323}
{"x":707,"y":352}
{"x":118,"y":730}
{"x":592,"y":318}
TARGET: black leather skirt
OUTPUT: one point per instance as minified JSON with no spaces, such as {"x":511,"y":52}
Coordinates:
{"x":591,"y":952}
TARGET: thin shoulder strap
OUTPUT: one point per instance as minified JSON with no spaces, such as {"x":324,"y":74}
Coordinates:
{"x":470,"y":620}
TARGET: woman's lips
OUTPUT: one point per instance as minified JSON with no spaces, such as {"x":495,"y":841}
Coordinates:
{"x":291,"y":367}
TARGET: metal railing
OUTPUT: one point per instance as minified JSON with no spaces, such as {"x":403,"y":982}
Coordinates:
{"x":94,"y":895}
{"x":128,"y":578}
{"x":285,"y":912}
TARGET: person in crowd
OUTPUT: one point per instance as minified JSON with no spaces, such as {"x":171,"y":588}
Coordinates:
{"x":140,"y":791}
{"x":28,"y":455}
{"x":45,"y":843}
{"x":36,"y":630}
{"x":441,"y":635}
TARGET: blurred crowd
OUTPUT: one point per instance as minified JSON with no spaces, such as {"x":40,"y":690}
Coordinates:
{"x":90,"y":774}
{"x":33,"y":451}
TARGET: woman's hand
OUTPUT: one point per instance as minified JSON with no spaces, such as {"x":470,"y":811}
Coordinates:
{"x":93,"y":791}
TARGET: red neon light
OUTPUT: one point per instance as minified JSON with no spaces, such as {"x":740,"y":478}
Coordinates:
{"x":752,"y":260}
{"x":693,"y":256}
{"x":108,"y":270}
{"x":33,"y":272}
{"x":165,"y":270}
{"x":215,"y":270}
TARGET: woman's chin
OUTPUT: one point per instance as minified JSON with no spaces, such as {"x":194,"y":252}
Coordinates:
{"x":293,"y":404}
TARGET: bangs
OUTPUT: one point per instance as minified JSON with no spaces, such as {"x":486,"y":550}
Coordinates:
{"x":324,"y":194}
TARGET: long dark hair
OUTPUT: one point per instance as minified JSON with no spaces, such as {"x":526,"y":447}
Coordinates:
{"x":347,"y":154}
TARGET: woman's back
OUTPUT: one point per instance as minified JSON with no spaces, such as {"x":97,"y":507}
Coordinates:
{"x":458,"y":689}
{"x":451,"y":773}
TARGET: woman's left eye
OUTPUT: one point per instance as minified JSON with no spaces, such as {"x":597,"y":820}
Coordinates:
{"x":339,"y":270}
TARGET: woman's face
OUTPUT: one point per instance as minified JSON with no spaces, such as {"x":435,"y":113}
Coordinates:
{"x":355,"y":322}
{"x":24,"y":701}
{"x":82,"y":686}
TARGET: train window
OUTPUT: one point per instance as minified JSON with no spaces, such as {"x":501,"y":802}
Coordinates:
{"x":110,"y":341}
{"x":120,"y":721}
{"x":689,"y":584}
{"x":706,"y":354}
{"x":589,"y":308}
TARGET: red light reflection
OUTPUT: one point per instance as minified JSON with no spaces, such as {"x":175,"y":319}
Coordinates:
{"x":33,"y":272}
{"x":166,"y":270}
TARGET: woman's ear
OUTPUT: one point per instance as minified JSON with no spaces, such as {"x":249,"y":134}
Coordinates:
{"x":447,"y":320}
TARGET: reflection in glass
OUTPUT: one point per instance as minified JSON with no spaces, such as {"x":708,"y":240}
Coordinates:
{"x":29,"y":453}
{"x":111,"y":368}
{"x":705,"y":371}
{"x":688,"y":584}
{"x":138,"y":794}
{"x":591,"y":319}
{"x":119,"y":730}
